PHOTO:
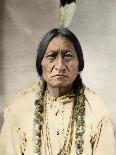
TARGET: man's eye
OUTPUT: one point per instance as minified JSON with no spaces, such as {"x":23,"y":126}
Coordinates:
{"x":68,"y":56}
{"x":51,"y":56}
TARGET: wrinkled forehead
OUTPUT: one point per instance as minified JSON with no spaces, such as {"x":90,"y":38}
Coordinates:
{"x":60,"y":43}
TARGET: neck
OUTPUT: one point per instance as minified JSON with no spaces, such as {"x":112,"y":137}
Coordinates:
{"x":59,"y":91}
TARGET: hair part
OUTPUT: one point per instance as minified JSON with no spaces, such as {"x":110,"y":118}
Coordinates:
{"x":46,"y":40}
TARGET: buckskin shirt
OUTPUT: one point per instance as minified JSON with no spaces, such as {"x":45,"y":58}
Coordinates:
{"x":17,"y":130}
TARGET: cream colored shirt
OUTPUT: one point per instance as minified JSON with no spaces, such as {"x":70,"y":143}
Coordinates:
{"x":59,"y":118}
{"x":17,"y":130}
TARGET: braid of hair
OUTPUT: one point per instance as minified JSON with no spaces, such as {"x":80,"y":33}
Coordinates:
{"x":79,"y":113}
{"x":38,"y":117}
{"x":78,"y":83}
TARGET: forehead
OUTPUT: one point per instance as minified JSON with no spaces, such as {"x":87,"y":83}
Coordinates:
{"x":60,"y":42}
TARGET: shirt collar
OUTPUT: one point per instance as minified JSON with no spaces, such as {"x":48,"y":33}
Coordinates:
{"x":62,"y":99}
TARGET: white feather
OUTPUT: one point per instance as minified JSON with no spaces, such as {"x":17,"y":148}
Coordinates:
{"x":66,"y":14}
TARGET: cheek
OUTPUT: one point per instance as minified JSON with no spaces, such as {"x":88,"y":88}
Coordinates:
{"x":45,"y":69}
{"x":44,"y":73}
{"x":74,"y":68}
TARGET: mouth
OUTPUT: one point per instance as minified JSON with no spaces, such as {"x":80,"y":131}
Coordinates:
{"x":59,"y":75}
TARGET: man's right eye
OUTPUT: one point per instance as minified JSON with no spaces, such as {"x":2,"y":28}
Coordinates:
{"x":51,"y":56}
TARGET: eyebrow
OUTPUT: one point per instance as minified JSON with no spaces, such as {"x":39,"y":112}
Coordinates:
{"x":56,"y":51}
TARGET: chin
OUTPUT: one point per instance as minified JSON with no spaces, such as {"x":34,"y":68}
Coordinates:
{"x":59,"y":84}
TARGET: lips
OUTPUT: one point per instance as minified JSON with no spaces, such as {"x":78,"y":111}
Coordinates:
{"x":57,"y":75}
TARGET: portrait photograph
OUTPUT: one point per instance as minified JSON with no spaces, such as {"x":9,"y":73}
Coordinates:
{"x":57,"y":77}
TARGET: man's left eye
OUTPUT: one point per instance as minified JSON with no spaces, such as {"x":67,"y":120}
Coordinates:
{"x":68,"y":56}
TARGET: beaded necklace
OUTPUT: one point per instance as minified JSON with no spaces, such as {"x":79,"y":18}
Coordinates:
{"x":65,"y":148}
{"x":79,"y":113}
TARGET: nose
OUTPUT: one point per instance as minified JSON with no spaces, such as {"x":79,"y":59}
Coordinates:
{"x":60,"y":65}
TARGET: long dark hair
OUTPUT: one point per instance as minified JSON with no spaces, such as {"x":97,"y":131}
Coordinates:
{"x":45,"y":42}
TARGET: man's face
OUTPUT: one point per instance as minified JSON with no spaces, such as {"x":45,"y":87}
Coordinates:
{"x":60,"y":63}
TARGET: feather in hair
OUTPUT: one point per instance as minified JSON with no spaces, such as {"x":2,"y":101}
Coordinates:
{"x":67,"y":9}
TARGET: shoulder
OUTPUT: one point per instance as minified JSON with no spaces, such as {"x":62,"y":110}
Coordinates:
{"x":96,"y":104}
{"x":97,"y":113}
{"x":22,"y":103}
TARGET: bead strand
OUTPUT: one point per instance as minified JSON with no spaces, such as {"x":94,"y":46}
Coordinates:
{"x":38,"y":119}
